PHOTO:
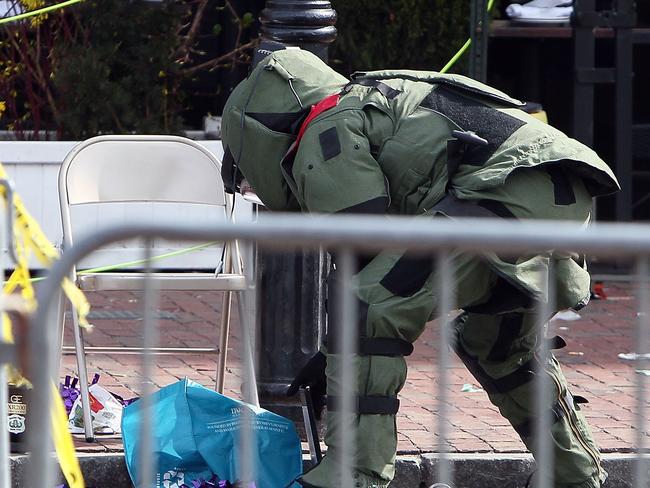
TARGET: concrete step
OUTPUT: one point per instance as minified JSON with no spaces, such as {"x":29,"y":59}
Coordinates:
{"x":108,"y":470}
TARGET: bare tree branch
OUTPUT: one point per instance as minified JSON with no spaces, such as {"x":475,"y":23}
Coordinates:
{"x":30,"y":61}
{"x":190,"y":37}
{"x":213,"y":63}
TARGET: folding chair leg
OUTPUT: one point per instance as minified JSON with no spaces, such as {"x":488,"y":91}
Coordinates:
{"x":223,"y":340}
{"x":311,"y":427}
{"x":60,"y":321}
{"x":83,"y":377}
{"x":250,"y":395}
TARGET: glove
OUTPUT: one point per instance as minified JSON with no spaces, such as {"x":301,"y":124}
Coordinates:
{"x":312,"y":375}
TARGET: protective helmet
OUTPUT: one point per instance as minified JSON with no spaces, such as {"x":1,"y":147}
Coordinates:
{"x":263,"y":115}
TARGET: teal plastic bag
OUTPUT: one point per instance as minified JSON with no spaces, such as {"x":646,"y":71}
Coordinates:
{"x":196,"y":434}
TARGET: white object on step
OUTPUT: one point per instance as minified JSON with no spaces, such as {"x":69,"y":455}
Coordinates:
{"x":549,"y":3}
{"x":516,"y":12}
{"x":568,"y":315}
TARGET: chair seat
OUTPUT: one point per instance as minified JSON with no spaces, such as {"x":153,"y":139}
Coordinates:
{"x":162,"y":281}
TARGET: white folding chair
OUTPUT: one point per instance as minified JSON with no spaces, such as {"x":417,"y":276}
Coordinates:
{"x":146,"y":170}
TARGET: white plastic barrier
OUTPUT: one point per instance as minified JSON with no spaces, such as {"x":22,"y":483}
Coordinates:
{"x":33,"y":166}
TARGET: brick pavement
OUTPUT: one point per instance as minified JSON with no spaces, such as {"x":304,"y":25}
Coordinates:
{"x":590,"y":362}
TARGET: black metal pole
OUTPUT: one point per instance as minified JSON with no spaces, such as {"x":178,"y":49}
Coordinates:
{"x":621,"y":18}
{"x":308,"y":24}
{"x":479,"y":29}
{"x":291,"y":285}
{"x":584,"y":60}
{"x":624,"y":110}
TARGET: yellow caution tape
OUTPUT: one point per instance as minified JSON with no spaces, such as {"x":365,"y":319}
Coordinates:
{"x":39,"y":11}
{"x":63,"y":442}
{"x":13,"y":375}
{"x":30,"y":240}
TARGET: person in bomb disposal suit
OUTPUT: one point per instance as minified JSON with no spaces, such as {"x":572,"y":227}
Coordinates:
{"x":421,"y":143}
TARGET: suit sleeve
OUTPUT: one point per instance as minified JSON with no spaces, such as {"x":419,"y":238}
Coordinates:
{"x":334,"y":170}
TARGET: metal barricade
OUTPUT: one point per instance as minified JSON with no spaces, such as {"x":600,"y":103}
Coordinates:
{"x":7,"y":351}
{"x":348,"y":235}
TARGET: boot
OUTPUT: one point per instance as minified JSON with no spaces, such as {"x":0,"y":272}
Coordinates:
{"x":591,"y":483}
{"x":325,"y":476}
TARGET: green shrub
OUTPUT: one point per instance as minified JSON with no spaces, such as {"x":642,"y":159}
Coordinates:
{"x":117,"y":74}
{"x":122,"y":66}
{"x":417,"y":34}
{"x":102,"y":66}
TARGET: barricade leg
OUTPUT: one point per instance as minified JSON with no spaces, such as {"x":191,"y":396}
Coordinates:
{"x":5,"y":476}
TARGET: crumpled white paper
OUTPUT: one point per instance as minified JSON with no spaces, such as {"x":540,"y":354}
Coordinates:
{"x":469,"y":388}
{"x":568,"y":315}
{"x":632,"y":356}
{"x":105,"y":411}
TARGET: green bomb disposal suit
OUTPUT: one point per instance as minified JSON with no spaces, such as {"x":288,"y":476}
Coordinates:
{"x":423,"y":143}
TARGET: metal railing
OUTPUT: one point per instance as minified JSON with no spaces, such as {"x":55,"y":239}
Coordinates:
{"x":7,"y":351}
{"x":348,"y":235}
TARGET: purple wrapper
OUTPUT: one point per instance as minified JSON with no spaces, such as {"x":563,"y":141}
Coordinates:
{"x":69,"y":393}
{"x":124,"y":402}
{"x":215,"y":482}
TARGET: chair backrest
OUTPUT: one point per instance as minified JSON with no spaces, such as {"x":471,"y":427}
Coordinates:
{"x":133,"y":169}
